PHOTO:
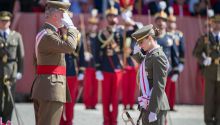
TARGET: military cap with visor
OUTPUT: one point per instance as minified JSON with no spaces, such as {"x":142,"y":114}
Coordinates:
{"x":5,"y":15}
{"x":144,"y":32}
{"x":63,"y":6}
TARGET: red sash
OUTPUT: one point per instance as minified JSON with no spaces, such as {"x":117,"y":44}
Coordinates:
{"x":51,"y":69}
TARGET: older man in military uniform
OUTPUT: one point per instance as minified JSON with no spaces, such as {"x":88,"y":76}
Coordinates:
{"x":11,"y":63}
{"x":208,"y":54}
{"x":50,"y":90}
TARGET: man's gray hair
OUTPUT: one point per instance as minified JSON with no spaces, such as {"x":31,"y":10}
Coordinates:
{"x":50,"y":11}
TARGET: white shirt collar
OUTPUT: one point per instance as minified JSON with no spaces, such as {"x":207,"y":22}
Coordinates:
{"x":7,"y":31}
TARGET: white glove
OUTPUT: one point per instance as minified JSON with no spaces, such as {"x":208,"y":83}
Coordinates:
{"x":18,"y":76}
{"x":126,"y":16}
{"x":66,"y":21}
{"x":174,"y":78}
{"x":80,"y":77}
{"x":137,"y":49}
{"x":99,"y":75}
{"x":152,"y":117}
{"x":207,"y":61}
{"x":88,"y":56}
{"x":180,"y":67}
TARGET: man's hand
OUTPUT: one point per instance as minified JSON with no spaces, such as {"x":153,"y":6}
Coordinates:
{"x":67,"y":22}
{"x":152,"y":117}
{"x":18,"y":76}
{"x":180,"y":67}
{"x":80,"y":76}
{"x":174,"y":77}
{"x":137,"y":49}
{"x":99,"y":75}
{"x":88,"y":56}
{"x":207,"y":61}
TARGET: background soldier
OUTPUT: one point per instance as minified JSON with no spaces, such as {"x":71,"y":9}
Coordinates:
{"x":170,"y":49}
{"x":74,"y":66}
{"x":208,"y":54}
{"x":109,"y":64}
{"x":208,"y":26}
{"x":90,"y":96}
{"x":177,"y":37}
{"x":129,"y":74}
{"x":11,"y":63}
{"x":50,"y":90}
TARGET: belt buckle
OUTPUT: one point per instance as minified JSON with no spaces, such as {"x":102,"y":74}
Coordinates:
{"x":217,"y":61}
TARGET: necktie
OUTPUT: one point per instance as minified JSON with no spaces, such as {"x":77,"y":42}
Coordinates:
{"x":217,"y":39}
{"x":4,"y":35}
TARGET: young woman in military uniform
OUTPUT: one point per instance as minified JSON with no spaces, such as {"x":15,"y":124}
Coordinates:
{"x":152,"y":77}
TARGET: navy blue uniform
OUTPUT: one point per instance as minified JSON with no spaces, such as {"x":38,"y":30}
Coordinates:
{"x":91,"y":46}
{"x":129,"y":74}
{"x":74,"y":62}
{"x":171,"y":51}
{"x":179,"y":41}
{"x":109,"y":55}
{"x":90,"y":93}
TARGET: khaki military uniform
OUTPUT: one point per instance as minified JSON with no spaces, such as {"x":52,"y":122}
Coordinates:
{"x":208,"y":46}
{"x":11,"y":62}
{"x":156,"y":66}
{"x":50,"y":90}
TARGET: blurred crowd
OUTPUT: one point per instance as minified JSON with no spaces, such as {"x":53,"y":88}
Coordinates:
{"x":143,"y":7}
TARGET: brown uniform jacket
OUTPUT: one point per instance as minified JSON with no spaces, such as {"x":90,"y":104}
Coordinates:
{"x":156,"y":65}
{"x":208,"y":46}
{"x":51,"y":50}
{"x":12,"y":48}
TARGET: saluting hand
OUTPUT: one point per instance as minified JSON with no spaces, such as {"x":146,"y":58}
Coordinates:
{"x":67,"y":22}
{"x":137,"y":49}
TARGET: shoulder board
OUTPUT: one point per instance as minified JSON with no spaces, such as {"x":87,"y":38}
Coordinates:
{"x":49,"y":31}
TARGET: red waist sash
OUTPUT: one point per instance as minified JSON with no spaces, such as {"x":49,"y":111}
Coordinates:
{"x":51,"y":69}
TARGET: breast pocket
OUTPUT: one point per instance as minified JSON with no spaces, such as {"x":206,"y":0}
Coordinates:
{"x":57,"y":79}
{"x":13,"y":43}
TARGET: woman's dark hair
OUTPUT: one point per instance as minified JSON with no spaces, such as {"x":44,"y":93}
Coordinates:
{"x":156,"y":31}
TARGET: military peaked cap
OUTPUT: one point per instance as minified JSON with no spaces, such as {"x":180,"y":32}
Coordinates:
{"x":5,"y":15}
{"x":143,"y":32}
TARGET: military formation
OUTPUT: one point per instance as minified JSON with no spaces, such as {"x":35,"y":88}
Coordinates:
{"x":75,"y":61}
